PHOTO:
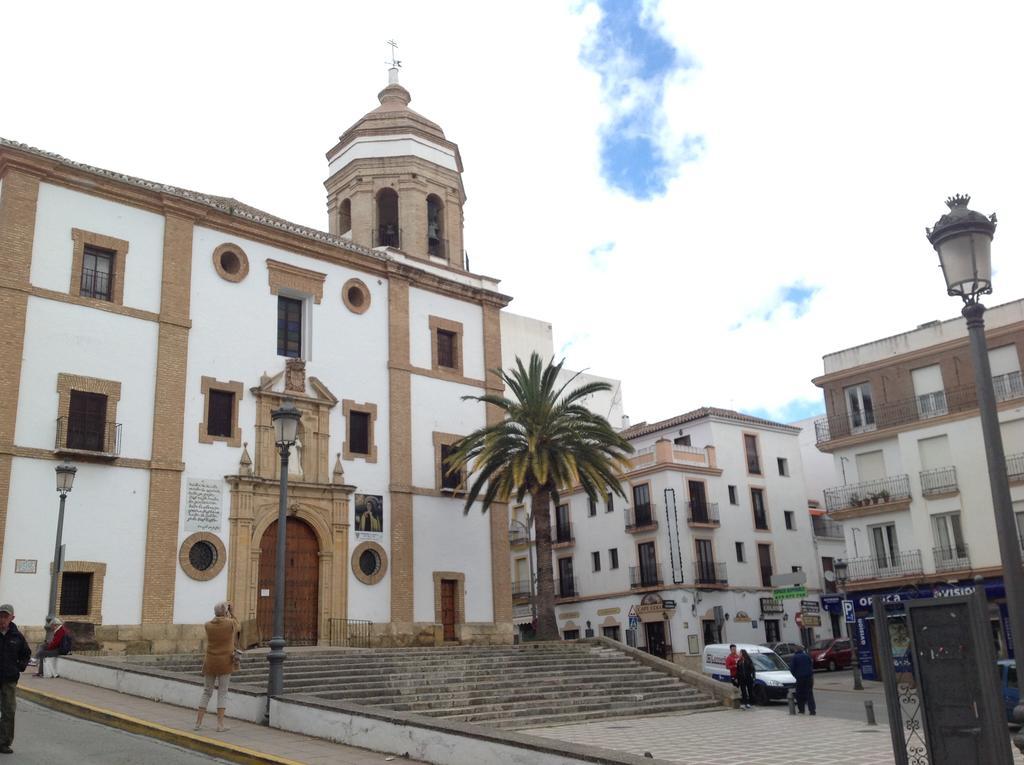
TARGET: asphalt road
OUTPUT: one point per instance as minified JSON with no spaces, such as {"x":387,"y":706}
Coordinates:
{"x":845,"y":704}
{"x":44,"y":736}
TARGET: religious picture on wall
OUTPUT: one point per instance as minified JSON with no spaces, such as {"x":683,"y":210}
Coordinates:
{"x":369,"y":516}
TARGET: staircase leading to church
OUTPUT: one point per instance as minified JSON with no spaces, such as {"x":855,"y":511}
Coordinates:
{"x":501,"y":686}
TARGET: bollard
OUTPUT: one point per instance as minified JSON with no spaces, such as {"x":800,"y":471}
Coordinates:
{"x":791,"y":700}
{"x":869,"y":710}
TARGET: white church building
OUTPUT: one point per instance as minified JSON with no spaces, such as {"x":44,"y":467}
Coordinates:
{"x":152,"y":330}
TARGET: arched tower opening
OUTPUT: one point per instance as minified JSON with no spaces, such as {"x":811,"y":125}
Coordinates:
{"x":388,"y":233}
{"x":436,"y":243}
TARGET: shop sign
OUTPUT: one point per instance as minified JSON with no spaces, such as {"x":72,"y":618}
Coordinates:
{"x":810,"y":606}
{"x":812,"y":620}
{"x":790,"y":593}
{"x":771,"y":606}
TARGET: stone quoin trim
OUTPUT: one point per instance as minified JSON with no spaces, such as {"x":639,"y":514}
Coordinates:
{"x":117,"y":268}
{"x":99,"y":572}
{"x":288,"y":277}
{"x":382,"y":558}
{"x":356,"y":296}
{"x":211,"y":384}
{"x":347,"y":407}
{"x":445,"y":439}
{"x":66,"y":383}
{"x":446,"y":325}
{"x":218,"y":562}
{"x":230,"y":262}
{"x":460,"y":596}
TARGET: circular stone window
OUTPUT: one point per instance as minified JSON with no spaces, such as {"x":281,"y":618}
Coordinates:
{"x":202,"y":556}
{"x":356,"y":296}
{"x":369,"y":562}
{"x":230,"y":262}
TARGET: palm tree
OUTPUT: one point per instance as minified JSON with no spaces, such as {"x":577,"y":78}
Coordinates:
{"x":548,"y":442}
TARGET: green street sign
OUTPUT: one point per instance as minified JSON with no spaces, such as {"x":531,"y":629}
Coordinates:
{"x":787,"y":593}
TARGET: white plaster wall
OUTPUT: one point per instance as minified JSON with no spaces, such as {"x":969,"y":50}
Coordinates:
{"x":437,"y":405}
{"x":818,"y":467}
{"x":448,"y":540}
{"x":104,"y":521}
{"x":234,"y":337}
{"x":83,"y":341}
{"x":60,"y":209}
{"x":404,"y":145}
{"x":521,"y":336}
{"x":423,"y":305}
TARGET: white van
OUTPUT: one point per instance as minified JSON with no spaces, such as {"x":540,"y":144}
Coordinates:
{"x":772,"y":679}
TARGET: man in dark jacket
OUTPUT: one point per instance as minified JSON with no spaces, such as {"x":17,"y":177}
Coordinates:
{"x":14,"y":656}
{"x":803,"y":670}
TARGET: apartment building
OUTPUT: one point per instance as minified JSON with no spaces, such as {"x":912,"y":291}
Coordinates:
{"x":912,"y":490}
{"x":715,"y":505}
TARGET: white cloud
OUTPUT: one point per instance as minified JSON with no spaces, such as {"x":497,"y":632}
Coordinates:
{"x":832,"y":135}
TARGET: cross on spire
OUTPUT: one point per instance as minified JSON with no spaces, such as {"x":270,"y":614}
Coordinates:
{"x":394,"y":63}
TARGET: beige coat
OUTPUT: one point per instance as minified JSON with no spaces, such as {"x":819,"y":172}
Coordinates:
{"x":220,"y":645}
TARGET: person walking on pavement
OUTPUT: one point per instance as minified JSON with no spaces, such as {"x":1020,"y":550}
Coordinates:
{"x":745,"y":676}
{"x":730,"y":662}
{"x":57,"y":644}
{"x":219,"y":662}
{"x":14,"y":656}
{"x":802,"y":667}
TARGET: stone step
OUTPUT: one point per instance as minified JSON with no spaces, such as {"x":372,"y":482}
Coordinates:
{"x":555,"y":712}
{"x":563,"y":690}
{"x":568,"y":718}
{"x":529,"y":701}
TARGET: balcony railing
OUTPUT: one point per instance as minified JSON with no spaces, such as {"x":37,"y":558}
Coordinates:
{"x":892,"y":413}
{"x":566,"y":588}
{"x":100,"y":438}
{"x":562,"y":533}
{"x":709,"y":572}
{"x":703,"y":512}
{"x":645,"y":576}
{"x":350,"y":633}
{"x":437,"y":248}
{"x":1008,"y":386}
{"x":826,"y":529}
{"x":951,"y":558}
{"x":1015,"y":467}
{"x":892,"y":489}
{"x":938,"y":481}
{"x":388,"y":236}
{"x":522,"y":589}
{"x":906,"y":563}
{"x":518,"y":536}
{"x":641,"y":517}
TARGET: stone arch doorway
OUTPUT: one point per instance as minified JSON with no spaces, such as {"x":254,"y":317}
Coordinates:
{"x":302,"y":583}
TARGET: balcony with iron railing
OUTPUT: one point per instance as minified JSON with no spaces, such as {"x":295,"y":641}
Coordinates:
{"x":709,"y":574}
{"x":561,"y":534}
{"x":1015,"y":468}
{"x":518,"y":536}
{"x":99,"y":439}
{"x":939,"y":481}
{"x":906,"y":563}
{"x":702,"y":514}
{"x":868,"y":497}
{"x":641,"y":517}
{"x":521,"y":589}
{"x":645,"y":576}
{"x":890,"y":414}
{"x":951,"y":558}
{"x":826,"y":529}
{"x":566,"y":588}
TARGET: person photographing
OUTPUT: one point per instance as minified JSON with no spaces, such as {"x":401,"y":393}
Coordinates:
{"x":219,"y":662}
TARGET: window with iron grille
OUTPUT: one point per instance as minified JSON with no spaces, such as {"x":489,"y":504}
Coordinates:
{"x":612,"y":632}
{"x":760,"y":515}
{"x":449,"y":480}
{"x":359,"y":432}
{"x":87,"y":421}
{"x":289,"y":327}
{"x":446,"y":349}
{"x":75,"y":589}
{"x":97,"y":273}
{"x":220,"y":413}
{"x":572,"y":634}
{"x":753,"y":458}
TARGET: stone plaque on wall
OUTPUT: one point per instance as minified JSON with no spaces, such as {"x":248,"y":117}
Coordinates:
{"x":203,"y":505}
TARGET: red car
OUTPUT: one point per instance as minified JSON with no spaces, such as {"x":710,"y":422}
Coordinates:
{"x":832,"y":654}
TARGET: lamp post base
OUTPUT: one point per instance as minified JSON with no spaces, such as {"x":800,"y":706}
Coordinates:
{"x":276,"y":657}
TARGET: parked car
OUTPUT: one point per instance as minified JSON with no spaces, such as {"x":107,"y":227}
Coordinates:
{"x":832,"y":654}
{"x":773,"y":678}
{"x":784,"y":650}
{"x":1007,"y":669}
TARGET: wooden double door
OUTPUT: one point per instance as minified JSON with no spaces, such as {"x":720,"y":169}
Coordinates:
{"x":301,"y":587}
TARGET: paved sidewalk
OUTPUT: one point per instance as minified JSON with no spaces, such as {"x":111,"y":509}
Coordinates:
{"x":243,"y":742}
{"x":738,"y":737}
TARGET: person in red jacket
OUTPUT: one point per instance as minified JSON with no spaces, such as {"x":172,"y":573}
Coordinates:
{"x":730,"y":662}
{"x":59,"y":643}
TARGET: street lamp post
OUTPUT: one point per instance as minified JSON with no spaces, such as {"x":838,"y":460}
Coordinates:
{"x":286,"y":425}
{"x":841,"y":570}
{"x":65,"y":478}
{"x":529,"y":557}
{"x":963,"y":240}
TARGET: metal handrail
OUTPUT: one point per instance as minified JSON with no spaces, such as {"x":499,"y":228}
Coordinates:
{"x":566,"y":588}
{"x":641,"y":516}
{"x":938,"y":481}
{"x":645,"y":576}
{"x":350,"y":633}
{"x":951,"y":558}
{"x":883,"y":490}
{"x":703,"y":512}
{"x":1015,"y":467}
{"x":104,"y":438}
{"x":884,"y":566}
{"x":709,"y":572}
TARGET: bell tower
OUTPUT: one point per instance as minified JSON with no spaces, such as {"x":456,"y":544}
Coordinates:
{"x":395,"y":181}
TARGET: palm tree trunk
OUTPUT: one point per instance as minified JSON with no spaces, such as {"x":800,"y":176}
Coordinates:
{"x":547,"y":627}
